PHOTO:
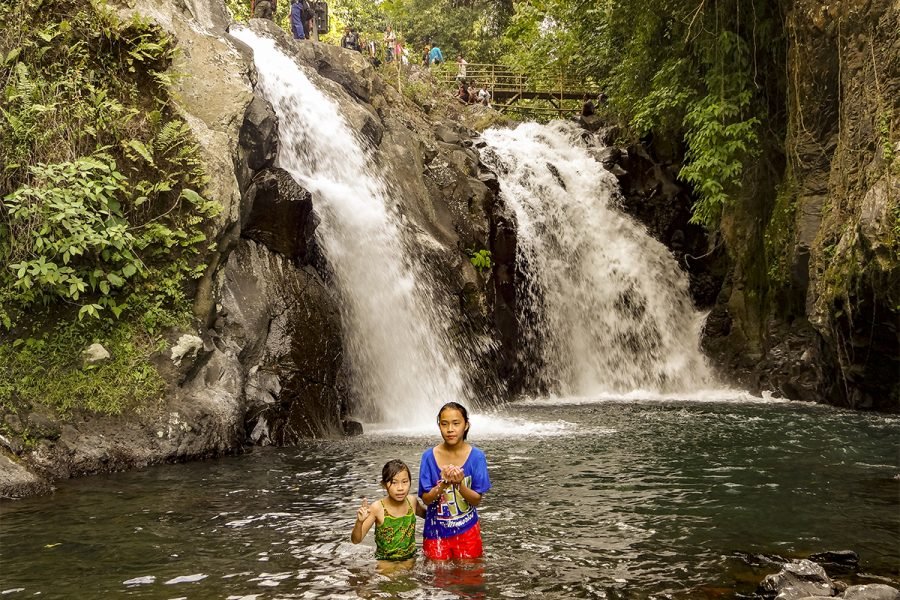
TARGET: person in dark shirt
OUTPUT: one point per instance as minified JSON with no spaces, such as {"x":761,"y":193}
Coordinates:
{"x":350,"y":40}
{"x":463,"y":94}
{"x":263,"y":9}
{"x":587,"y":106}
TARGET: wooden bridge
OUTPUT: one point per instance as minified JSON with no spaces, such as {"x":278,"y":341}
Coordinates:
{"x":509,"y":88}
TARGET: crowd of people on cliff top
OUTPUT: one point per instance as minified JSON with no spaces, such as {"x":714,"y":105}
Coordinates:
{"x":391,"y":48}
{"x":469,"y":91}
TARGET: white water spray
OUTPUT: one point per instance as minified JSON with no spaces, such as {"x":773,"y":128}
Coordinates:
{"x":605,"y":303}
{"x":395,"y":338}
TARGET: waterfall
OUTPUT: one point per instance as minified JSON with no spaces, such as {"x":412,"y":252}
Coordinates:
{"x":604,"y":307}
{"x":396,"y":343}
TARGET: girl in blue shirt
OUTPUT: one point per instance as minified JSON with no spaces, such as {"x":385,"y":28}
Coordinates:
{"x":453,"y":478}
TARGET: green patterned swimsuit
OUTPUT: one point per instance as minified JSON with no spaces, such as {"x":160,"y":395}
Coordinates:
{"x":395,"y":539}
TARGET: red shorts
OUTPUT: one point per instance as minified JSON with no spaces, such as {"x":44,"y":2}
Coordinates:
{"x":464,"y":545}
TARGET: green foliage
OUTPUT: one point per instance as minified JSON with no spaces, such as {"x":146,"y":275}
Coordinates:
{"x":481,"y":259}
{"x":240,"y":12}
{"x":676,"y":69}
{"x":46,"y":369}
{"x":239,"y":9}
{"x":884,"y":124}
{"x":73,"y":210}
{"x":720,"y":136}
{"x":780,"y":232}
{"x":718,"y":143}
{"x":418,"y":92}
{"x":99,"y":206}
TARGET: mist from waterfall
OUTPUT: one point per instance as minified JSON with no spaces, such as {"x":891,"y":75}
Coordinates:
{"x":604,"y":307}
{"x":402,"y":363}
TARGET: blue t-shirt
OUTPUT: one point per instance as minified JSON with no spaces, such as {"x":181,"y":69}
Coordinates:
{"x":435,"y":55}
{"x":451,"y":515}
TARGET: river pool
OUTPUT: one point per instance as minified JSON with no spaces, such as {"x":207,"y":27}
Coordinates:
{"x":591,"y":498}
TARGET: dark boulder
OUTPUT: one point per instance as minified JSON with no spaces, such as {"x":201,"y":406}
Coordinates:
{"x":287,"y":326}
{"x":281,"y":217}
{"x":258,"y":136}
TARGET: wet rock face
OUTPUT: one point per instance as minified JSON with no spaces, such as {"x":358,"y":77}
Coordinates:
{"x":824,"y":327}
{"x":258,"y":135}
{"x":285,"y":326}
{"x":840,"y":262}
{"x":281,"y":215}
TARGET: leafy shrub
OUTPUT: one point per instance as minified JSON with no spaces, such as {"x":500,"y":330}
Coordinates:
{"x":99,"y":203}
{"x":101,"y":222}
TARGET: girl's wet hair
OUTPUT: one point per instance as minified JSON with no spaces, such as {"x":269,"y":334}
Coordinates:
{"x":462,"y":410}
{"x":391,"y":469}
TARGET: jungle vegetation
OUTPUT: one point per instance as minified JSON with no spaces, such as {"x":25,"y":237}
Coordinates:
{"x":706,"y":76}
{"x":102,"y":220}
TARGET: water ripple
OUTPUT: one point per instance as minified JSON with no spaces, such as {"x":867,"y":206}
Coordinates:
{"x":654,"y":506}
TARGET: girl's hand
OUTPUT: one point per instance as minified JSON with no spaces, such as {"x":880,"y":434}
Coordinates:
{"x":363,"y":511}
{"x":454,"y":474}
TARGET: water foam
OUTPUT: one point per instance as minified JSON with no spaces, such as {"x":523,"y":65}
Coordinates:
{"x":604,"y":308}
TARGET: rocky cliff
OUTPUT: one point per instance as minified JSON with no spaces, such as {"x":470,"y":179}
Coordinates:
{"x":811,"y":306}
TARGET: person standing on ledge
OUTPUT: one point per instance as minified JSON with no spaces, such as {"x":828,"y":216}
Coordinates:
{"x":453,"y":478}
{"x":297,"y":20}
{"x":435,"y":56}
{"x":390,"y":42}
{"x":461,"y":68}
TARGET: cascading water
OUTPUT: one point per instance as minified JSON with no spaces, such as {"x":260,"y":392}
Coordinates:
{"x":604,"y":306}
{"x":395,"y":340}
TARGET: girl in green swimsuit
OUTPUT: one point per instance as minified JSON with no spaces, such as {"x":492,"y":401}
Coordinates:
{"x":394,"y":516}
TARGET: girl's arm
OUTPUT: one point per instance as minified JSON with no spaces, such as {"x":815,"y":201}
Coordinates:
{"x":428,"y":472}
{"x":417,"y":506}
{"x":365,"y":518}
{"x":435,"y":492}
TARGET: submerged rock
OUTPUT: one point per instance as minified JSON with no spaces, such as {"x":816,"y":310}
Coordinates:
{"x":839,"y":559}
{"x":798,"y":579}
{"x":872,"y":591}
{"x":352,"y":428}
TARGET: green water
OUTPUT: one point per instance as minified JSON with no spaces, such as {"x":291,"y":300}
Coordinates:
{"x":614,"y":499}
